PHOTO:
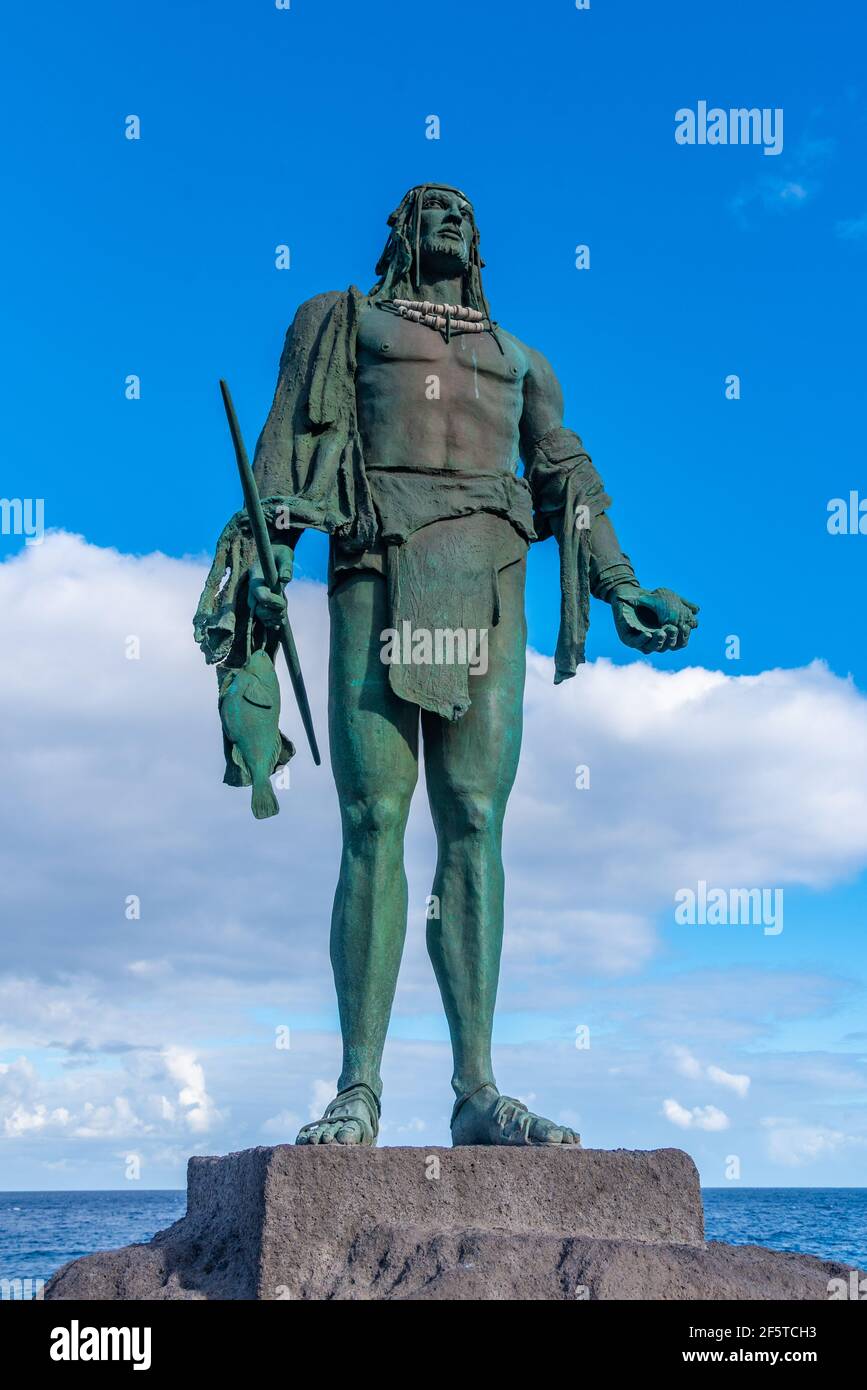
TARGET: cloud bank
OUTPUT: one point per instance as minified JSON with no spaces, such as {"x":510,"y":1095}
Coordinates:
{"x":158,"y":1032}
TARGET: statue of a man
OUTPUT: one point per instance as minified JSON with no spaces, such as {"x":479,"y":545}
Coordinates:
{"x":397,"y":426}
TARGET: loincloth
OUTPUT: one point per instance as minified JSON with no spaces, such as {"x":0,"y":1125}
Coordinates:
{"x":444,"y":537}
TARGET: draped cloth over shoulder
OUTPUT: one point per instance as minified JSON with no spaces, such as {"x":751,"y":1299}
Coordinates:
{"x":568,"y":495}
{"x":308,"y":464}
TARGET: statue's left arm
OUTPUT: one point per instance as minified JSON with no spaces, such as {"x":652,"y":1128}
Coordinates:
{"x":570,"y":503}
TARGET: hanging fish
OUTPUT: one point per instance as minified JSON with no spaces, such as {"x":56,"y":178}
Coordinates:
{"x":255,"y":747}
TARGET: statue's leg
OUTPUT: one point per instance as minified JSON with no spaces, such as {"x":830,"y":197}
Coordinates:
{"x":470,"y":767}
{"x":373,"y":738}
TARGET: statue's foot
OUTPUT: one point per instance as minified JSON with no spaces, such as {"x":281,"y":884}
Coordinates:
{"x":485,"y":1117}
{"x":351,"y":1118}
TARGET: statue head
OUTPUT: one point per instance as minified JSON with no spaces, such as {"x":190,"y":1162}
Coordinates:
{"x":446,"y":228}
{"x":433,"y":233}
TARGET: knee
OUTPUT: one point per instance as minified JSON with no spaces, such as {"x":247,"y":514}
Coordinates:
{"x":472,"y":815}
{"x":375,"y":815}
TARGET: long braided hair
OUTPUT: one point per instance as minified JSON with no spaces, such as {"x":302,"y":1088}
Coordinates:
{"x":399,"y":267}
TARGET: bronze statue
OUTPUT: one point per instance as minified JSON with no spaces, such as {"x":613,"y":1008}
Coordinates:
{"x":397,"y":426}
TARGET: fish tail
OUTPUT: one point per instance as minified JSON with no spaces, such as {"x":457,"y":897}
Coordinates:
{"x":264,"y":802}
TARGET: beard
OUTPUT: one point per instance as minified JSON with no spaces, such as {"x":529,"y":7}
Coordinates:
{"x":450,"y":256}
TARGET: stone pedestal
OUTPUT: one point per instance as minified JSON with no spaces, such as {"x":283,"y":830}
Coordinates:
{"x":475,"y":1223}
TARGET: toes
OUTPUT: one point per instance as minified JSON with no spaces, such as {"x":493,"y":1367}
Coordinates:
{"x":561,"y":1134}
{"x":343,"y":1131}
{"x":313,"y":1134}
{"x":547,"y":1132}
{"x":544,"y":1132}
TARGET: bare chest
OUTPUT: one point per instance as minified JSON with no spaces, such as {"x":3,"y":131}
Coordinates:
{"x":385,"y":340}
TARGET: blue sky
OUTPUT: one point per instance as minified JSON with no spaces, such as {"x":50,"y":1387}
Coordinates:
{"x":305,"y":127}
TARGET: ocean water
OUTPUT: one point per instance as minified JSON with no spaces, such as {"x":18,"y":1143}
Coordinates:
{"x":826,"y":1221}
{"x":40,"y":1231}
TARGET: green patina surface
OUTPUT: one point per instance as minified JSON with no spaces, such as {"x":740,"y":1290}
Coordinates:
{"x":398,"y":426}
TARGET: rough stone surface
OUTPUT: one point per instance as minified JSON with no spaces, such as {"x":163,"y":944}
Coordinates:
{"x":323,"y":1223}
{"x":386,"y":1263}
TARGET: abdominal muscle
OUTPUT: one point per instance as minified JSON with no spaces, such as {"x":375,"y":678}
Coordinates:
{"x":472,"y":426}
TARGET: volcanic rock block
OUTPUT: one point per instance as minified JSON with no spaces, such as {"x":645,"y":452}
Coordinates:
{"x":322,"y":1222}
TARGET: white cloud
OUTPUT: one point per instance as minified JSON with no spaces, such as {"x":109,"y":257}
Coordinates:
{"x":688,"y":1065}
{"x":20,"y":1121}
{"x":22,"y":1109}
{"x":699,"y":1117}
{"x":795,"y":1145}
{"x":183,"y":1068}
{"x":116,"y":1120}
{"x":112,"y":787}
{"x":738,"y":1083}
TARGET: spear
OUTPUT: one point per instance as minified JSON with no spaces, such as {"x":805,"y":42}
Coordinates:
{"x":259,"y":527}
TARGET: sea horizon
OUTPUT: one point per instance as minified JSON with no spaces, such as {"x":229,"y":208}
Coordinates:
{"x":42,"y":1229}
{"x":728,"y":1187}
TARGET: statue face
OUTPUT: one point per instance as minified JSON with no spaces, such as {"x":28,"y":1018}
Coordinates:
{"x":446,"y":232}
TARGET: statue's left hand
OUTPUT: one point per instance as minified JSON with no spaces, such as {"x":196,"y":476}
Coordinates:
{"x":653,"y":620}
